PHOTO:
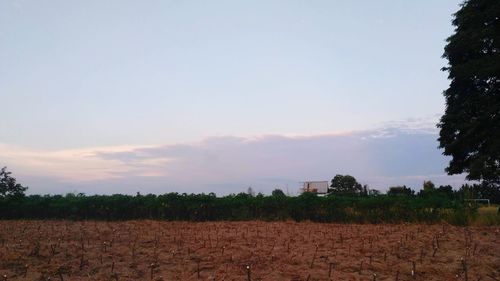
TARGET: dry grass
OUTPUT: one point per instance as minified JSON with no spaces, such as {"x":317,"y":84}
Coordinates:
{"x":486,"y":216}
{"x":491,"y":210}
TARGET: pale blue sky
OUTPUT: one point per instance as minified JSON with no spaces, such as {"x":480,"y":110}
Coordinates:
{"x":86,"y":74}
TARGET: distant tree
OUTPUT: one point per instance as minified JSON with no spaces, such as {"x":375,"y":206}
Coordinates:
{"x":250,"y":191}
{"x":345,"y":185}
{"x":278,"y":193}
{"x":480,"y":191}
{"x":430,"y":190}
{"x":365,"y":190}
{"x":8,"y":185}
{"x":466,"y":191}
{"x":428,"y":186}
{"x":446,"y":190}
{"x":470,"y":126}
{"x":374,"y":192}
{"x":400,"y":190}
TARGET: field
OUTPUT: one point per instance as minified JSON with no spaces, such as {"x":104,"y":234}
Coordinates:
{"x":155,"y":250}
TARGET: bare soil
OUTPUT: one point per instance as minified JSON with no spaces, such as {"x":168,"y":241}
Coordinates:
{"x":156,"y":250}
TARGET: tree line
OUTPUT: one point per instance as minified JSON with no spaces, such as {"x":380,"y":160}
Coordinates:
{"x":348,"y":185}
{"x":242,"y":206}
{"x":347,"y":202}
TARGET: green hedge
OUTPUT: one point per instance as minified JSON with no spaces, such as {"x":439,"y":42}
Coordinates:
{"x":208,"y":207}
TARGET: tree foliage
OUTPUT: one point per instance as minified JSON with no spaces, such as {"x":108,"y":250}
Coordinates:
{"x":470,"y":126}
{"x":8,"y":185}
{"x":480,"y":191}
{"x":278,"y":193}
{"x":428,"y":186}
{"x":242,"y":206}
{"x":345,"y":185}
{"x":400,"y":191}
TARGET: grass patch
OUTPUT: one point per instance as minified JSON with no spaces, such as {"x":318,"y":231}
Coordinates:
{"x":487,"y":215}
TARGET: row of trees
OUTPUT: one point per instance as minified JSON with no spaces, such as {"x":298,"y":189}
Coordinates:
{"x":466,"y":191}
{"x":339,"y":206}
{"x":348,"y":201}
{"x":340,"y":185}
{"x":208,"y":207}
{"x":348,"y":185}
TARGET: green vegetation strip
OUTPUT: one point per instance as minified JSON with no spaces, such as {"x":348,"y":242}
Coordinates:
{"x":208,"y":207}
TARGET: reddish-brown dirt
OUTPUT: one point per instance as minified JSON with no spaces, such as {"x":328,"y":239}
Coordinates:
{"x":154,"y":250}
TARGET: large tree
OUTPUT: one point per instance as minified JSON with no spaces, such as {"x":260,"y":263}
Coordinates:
{"x":345,"y":185}
{"x":470,"y":126}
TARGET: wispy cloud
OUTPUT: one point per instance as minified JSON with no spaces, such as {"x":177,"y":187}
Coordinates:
{"x":392,"y":154}
{"x":72,"y":164}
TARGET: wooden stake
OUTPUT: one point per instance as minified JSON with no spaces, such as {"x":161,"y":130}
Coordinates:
{"x":464,"y":266}
{"x":249,"y":277}
{"x":413,"y":271}
{"x":198,"y":269}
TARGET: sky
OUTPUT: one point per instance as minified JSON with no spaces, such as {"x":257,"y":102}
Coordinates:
{"x":215,"y":96}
